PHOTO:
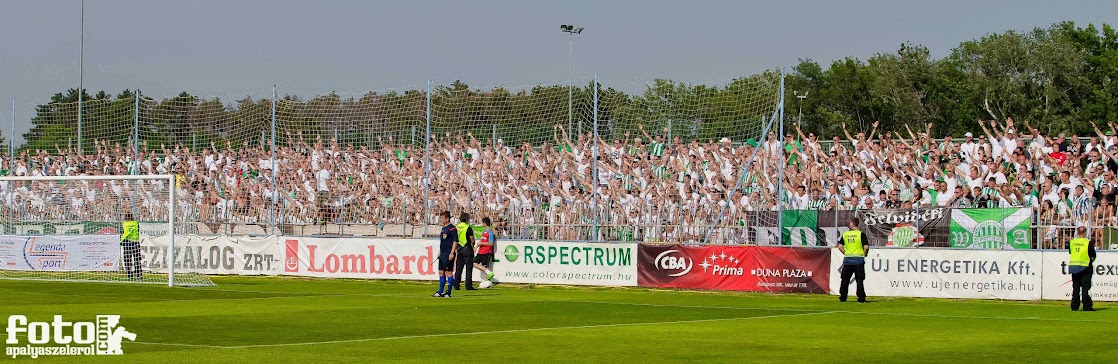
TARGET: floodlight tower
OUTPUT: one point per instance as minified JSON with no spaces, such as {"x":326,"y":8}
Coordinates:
{"x":571,"y":30}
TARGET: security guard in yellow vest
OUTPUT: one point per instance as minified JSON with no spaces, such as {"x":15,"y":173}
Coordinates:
{"x":465,"y":253}
{"x":853,"y":246}
{"x":1079,"y":265}
{"x":130,"y":244}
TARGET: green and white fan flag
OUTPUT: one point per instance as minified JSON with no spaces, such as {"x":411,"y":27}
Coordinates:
{"x":990,"y":228}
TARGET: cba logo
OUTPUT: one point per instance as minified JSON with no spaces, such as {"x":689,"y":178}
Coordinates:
{"x":511,"y":253}
{"x":674,"y":261}
{"x":62,"y":338}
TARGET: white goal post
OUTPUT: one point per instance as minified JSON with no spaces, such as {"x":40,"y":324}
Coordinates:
{"x":65,"y":228}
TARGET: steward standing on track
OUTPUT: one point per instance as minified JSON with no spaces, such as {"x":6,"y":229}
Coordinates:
{"x":130,"y":244}
{"x":1082,"y":259}
{"x":853,"y":247}
{"x":465,"y":254}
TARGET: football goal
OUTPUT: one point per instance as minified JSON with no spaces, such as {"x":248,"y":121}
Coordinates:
{"x":91,"y":229}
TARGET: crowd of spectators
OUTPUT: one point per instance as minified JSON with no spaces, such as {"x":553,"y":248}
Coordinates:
{"x":665,"y":189}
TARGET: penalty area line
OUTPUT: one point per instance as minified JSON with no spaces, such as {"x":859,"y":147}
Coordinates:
{"x":491,"y":332}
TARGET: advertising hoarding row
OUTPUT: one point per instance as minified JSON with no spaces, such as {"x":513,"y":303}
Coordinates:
{"x":942,"y":273}
{"x":897,"y":272}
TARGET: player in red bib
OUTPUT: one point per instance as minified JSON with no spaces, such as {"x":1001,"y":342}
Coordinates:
{"x":484,"y":258}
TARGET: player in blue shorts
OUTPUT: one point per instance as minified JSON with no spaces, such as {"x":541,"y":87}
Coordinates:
{"x":448,"y":241}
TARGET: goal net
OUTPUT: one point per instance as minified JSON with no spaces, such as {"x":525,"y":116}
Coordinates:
{"x":73,"y":229}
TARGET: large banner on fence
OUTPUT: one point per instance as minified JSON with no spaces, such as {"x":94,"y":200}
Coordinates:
{"x":945,"y":273}
{"x":991,"y":228}
{"x":221,"y":254}
{"x":365,"y":258}
{"x":799,"y":227}
{"x":554,"y":262}
{"x":62,"y":253}
{"x":995,"y":229}
{"x":905,"y":227}
{"x":1057,"y":281}
{"x":736,"y":268}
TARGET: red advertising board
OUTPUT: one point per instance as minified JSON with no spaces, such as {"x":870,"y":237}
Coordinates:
{"x":734,"y":268}
{"x":360,"y":258}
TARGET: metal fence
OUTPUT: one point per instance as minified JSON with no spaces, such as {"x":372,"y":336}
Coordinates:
{"x":132,"y":133}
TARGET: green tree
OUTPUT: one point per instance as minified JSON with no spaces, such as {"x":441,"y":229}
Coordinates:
{"x":49,"y":136}
{"x":1033,"y":75}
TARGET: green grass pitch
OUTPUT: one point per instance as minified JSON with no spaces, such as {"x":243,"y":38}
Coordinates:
{"x":285,"y":320}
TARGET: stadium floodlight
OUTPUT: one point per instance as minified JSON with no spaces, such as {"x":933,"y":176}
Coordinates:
{"x":81,"y":74}
{"x":800,"y":116}
{"x":571,"y":30}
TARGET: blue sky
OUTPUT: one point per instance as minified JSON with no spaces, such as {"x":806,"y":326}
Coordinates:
{"x":232,"y":48}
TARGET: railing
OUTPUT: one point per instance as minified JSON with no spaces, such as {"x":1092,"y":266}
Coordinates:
{"x":676,"y":224}
{"x":1043,"y":237}
{"x":1058,"y":237}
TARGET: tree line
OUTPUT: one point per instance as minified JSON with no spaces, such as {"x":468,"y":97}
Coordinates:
{"x":1060,"y":77}
{"x":514,"y":117}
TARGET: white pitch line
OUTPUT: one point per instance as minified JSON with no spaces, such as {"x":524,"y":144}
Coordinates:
{"x":297,"y":295}
{"x":486,"y":298}
{"x":181,"y":345}
{"x":492,"y":332}
{"x":819,"y":297}
{"x":1032,"y":318}
{"x":96,"y":295}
